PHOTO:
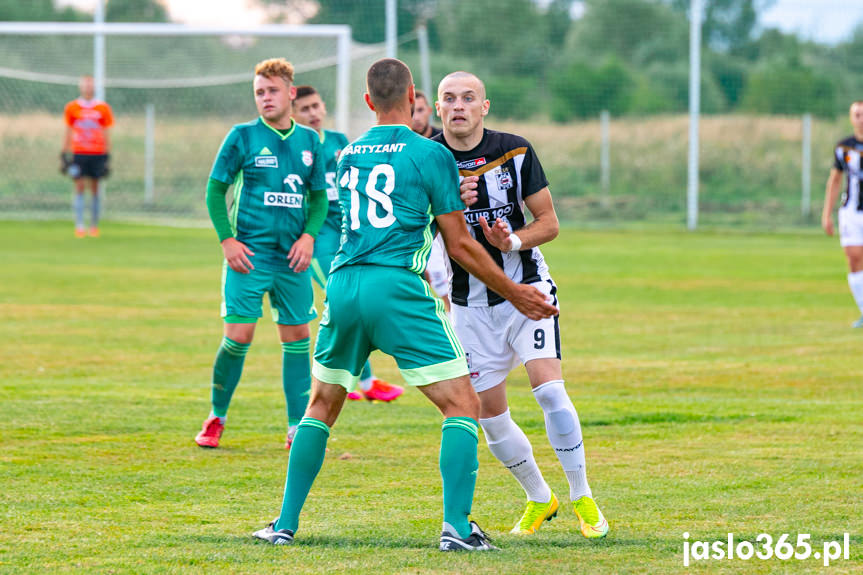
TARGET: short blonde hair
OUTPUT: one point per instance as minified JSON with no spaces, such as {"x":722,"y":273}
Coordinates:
{"x":276,"y":67}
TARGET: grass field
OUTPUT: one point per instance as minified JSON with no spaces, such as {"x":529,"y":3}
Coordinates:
{"x":716,"y":377}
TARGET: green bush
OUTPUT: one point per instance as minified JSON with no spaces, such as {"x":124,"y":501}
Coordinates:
{"x":787,"y":90}
{"x":513,"y":97}
{"x":580,"y":90}
{"x":648,"y":100}
{"x":671,"y":81}
{"x":730,"y":75}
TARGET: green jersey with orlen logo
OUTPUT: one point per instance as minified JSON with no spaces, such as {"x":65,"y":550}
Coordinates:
{"x":272,"y":174}
{"x":327,"y":242}
{"x":392,"y":182}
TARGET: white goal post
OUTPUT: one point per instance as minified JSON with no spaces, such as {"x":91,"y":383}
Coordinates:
{"x":340,"y":32}
{"x":175,"y":91}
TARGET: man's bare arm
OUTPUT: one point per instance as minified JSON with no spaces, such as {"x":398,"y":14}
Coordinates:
{"x":67,"y":141}
{"x":461,"y":247}
{"x":834,"y":183}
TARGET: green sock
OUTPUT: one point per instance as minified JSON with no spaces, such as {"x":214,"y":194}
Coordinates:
{"x":296,"y":378}
{"x":226,"y":373}
{"x":458,"y":467}
{"x":307,"y":457}
{"x":367,"y":371}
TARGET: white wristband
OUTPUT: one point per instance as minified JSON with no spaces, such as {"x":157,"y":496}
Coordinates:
{"x":516,"y":243}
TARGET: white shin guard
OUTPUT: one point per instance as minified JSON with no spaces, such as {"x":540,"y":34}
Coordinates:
{"x":564,"y":434}
{"x":508,"y":443}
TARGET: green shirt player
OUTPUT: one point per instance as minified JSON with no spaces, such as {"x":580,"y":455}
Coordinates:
{"x":309,"y":110}
{"x":278,"y":207}
{"x":395,"y":189}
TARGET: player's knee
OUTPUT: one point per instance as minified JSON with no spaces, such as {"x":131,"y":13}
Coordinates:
{"x":464,"y":403}
{"x":470,"y":405}
{"x":323,"y":408}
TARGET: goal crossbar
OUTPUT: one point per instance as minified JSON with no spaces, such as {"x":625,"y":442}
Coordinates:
{"x":341,"y":32}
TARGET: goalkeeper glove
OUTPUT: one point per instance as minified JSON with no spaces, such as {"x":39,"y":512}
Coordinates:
{"x":66,"y":159}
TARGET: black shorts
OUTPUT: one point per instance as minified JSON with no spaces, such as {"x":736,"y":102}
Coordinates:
{"x":88,"y":166}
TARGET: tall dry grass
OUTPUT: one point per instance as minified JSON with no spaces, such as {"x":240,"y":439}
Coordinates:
{"x":750,"y":165}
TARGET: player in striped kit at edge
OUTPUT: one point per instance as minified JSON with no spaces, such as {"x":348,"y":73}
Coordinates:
{"x":847,"y":158}
{"x":501,"y":175}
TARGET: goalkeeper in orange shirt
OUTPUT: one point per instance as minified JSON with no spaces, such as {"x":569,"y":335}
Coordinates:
{"x":86,"y":148}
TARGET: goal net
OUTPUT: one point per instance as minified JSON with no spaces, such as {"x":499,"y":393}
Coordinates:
{"x":175,"y":92}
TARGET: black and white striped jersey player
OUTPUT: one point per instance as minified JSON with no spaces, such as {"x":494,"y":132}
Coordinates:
{"x":501,"y":176}
{"x":848,"y":159}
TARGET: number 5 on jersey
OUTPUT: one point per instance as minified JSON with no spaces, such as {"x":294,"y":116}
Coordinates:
{"x":376,"y":198}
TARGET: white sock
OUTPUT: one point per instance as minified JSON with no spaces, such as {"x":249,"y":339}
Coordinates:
{"x":564,"y":434}
{"x":79,"y":211}
{"x":95,"y":210}
{"x":510,"y":446}
{"x":366,"y":384}
{"x":855,"y":282}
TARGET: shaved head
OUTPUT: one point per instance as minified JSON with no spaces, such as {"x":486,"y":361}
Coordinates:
{"x":388,"y":82}
{"x":479,"y":87}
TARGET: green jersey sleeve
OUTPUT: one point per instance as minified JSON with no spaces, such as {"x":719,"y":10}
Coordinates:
{"x":318,"y":179}
{"x":442,"y":183}
{"x":218,"y":210}
{"x":229,"y":160}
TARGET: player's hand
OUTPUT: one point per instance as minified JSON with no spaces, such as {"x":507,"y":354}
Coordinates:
{"x":106,"y":169}
{"x":301,"y":253}
{"x":66,"y":159}
{"x":468,"y":191}
{"x":827,"y":224}
{"x":236,"y":254}
{"x":497,"y":235}
{"x":532,"y":302}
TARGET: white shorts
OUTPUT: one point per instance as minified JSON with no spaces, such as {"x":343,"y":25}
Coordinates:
{"x":498,"y":338}
{"x":438,"y":268}
{"x":850,"y":227}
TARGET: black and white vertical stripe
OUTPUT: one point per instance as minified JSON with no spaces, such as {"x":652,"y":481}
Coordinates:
{"x":848,"y":159}
{"x":503,"y":163}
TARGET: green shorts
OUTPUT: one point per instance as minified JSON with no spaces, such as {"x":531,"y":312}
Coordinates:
{"x":291,"y":297}
{"x":390,"y":309}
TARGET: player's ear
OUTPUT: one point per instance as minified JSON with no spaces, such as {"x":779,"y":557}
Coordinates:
{"x":292,"y":93}
{"x":369,"y":101}
{"x":485,"y":106}
{"x":437,"y":108}
{"x":412,"y":95}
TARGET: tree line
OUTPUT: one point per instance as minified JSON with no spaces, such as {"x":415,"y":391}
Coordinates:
{"x":630,"y":57}
{"x":626,"y":56}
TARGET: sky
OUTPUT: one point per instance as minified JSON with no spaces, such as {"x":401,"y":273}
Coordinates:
{"x":828,"y":21}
